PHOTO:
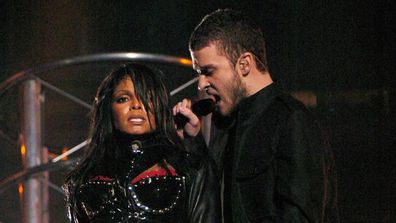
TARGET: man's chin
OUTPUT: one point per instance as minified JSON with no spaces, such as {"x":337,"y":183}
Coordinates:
{"x":224,"y":111}
{"x":227,"y":109}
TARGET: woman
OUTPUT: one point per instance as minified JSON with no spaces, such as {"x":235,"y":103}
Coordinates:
{"x":136,"y":168}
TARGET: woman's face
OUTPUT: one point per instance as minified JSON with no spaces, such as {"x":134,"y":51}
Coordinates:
{"x":129,"y":114}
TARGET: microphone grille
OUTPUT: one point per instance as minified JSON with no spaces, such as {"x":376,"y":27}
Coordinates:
{"x":203,"y":107}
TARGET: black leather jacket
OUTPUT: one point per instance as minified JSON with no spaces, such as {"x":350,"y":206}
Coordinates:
{"x":189,"y":196}
{"x":281,"y":167}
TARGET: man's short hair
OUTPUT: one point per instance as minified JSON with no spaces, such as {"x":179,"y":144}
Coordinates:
{"x":234,"y":33}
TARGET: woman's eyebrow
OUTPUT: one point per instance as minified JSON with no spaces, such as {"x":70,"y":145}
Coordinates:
{"x":125,"y":91}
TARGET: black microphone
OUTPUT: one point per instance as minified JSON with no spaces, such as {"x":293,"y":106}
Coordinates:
{"x":200,"y":108}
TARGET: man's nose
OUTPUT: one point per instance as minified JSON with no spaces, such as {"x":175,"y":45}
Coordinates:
{"x":203,"y":83}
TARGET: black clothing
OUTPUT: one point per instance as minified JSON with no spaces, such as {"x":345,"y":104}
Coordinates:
{"x":282,"y":166}
{"x":189,"y":196}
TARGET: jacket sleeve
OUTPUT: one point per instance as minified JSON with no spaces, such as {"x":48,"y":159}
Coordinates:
{"x":302,"y":170}
{"x":204,"y":199}
{"x":196,"y":145}
{"x":74,"y":214}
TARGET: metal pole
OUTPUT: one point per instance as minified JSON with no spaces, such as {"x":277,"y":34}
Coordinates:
{"x":31,"y":150}
{"x":45,"y":191}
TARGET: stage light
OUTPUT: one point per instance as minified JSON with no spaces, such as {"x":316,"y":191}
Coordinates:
{"x":185,"y":61}
{"x":23,"y":150}
{"x":20,"y":189}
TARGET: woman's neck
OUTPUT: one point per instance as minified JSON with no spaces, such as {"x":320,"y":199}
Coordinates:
{"x":124,"y":138}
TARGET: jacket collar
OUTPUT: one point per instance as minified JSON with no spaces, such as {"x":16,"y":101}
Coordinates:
{"x":259,"y":102}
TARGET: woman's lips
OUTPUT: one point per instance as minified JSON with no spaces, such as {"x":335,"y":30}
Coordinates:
{"x":136,"y":119}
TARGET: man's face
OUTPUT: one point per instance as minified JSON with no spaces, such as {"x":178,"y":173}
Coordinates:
{"x":219,"y":78}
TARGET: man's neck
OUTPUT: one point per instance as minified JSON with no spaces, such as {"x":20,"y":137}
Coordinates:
{"x":257,"y":82}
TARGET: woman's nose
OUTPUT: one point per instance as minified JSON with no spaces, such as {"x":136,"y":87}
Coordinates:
{"x":135,"y":105}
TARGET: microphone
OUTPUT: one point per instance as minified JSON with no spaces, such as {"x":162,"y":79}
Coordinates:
{"x":135,"y":147}
{"x":200,"y":108}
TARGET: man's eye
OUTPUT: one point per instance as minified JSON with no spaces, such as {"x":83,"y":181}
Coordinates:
{"x":205,"y":71}
{"x":209,"y":72}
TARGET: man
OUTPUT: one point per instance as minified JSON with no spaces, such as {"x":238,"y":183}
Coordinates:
{"x":273,"y":159}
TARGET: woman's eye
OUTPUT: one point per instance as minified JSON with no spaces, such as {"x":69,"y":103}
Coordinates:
{"x":122,"y":99}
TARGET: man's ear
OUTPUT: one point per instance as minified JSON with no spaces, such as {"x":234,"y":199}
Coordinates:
{"x":245,"y":63}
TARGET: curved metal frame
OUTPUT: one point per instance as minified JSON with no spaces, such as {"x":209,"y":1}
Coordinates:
{"x":25,"y":174}
{"x":105,"y":57}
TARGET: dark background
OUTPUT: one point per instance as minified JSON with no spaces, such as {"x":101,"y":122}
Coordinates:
{"x":342,"y":51}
